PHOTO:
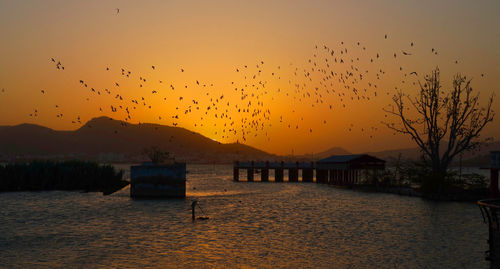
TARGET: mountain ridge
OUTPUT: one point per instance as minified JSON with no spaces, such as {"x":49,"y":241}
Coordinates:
{"x":104,"y":139}
{"x":109,"y":140}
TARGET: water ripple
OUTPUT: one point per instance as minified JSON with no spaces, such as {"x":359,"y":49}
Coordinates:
{"x":251,"y":225}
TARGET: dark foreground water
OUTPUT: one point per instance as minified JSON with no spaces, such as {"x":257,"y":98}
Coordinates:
{"x":261,"y":225}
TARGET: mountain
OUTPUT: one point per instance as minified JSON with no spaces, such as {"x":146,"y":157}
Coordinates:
{"x":331,"y":151}
{"x":106,"y":139}
{"x":321,"y":155}
{"x":479,"y":157}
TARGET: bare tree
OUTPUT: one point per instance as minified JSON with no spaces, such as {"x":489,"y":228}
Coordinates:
{"x":436,"y":120}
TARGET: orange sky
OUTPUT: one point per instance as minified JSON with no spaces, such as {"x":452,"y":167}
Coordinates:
{"x":211,"y":39}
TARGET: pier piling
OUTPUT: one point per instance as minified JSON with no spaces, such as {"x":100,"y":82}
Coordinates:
{"x":264,"y":173}
{"x":278,"y":173}
{"x":307,"y":175}
{"x":250,"y":171}
{"x":293,"y":175}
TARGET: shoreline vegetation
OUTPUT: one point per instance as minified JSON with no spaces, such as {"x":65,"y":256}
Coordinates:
{"x":405,"y":179}
{"x":416,"y":178}
{"x":64,"y":175}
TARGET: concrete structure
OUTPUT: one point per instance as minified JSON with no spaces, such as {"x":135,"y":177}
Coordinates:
{"x":337,"y":170}
{"x":489,"y":210}
{"x":158,"y":181}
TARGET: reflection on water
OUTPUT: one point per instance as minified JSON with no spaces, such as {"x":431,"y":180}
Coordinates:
{"x":271,"y":225}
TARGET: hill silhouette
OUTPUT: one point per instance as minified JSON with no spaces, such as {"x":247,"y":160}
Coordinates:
{"x":320,"y":155}
{"x":106,"y":139}
{"x":480,"y":157}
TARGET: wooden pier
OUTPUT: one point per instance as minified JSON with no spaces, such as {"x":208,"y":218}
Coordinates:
{"x":336,"y":170}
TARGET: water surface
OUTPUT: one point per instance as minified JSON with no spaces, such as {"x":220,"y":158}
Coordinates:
{"x":264,"y":225}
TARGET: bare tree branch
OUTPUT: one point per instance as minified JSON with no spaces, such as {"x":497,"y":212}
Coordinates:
{"x":454,"y":115}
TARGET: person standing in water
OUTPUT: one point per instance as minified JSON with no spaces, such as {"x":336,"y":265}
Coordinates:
{"x":193,"y":205}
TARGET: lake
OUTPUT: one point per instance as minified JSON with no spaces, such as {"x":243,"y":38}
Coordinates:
{"x":261,"y":225}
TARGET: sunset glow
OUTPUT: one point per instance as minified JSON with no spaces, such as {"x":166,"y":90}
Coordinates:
{"x":282,"y":76}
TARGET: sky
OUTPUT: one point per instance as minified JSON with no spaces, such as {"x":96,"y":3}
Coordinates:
{"x":255,"y":72}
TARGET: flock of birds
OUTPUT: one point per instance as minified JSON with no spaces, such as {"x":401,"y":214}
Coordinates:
{"x":333,"y":78}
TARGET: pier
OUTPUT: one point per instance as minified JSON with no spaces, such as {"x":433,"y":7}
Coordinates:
{"x":343,"y":170}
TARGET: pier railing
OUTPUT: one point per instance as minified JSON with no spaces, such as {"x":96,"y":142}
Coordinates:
{"x":489,"y":210}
